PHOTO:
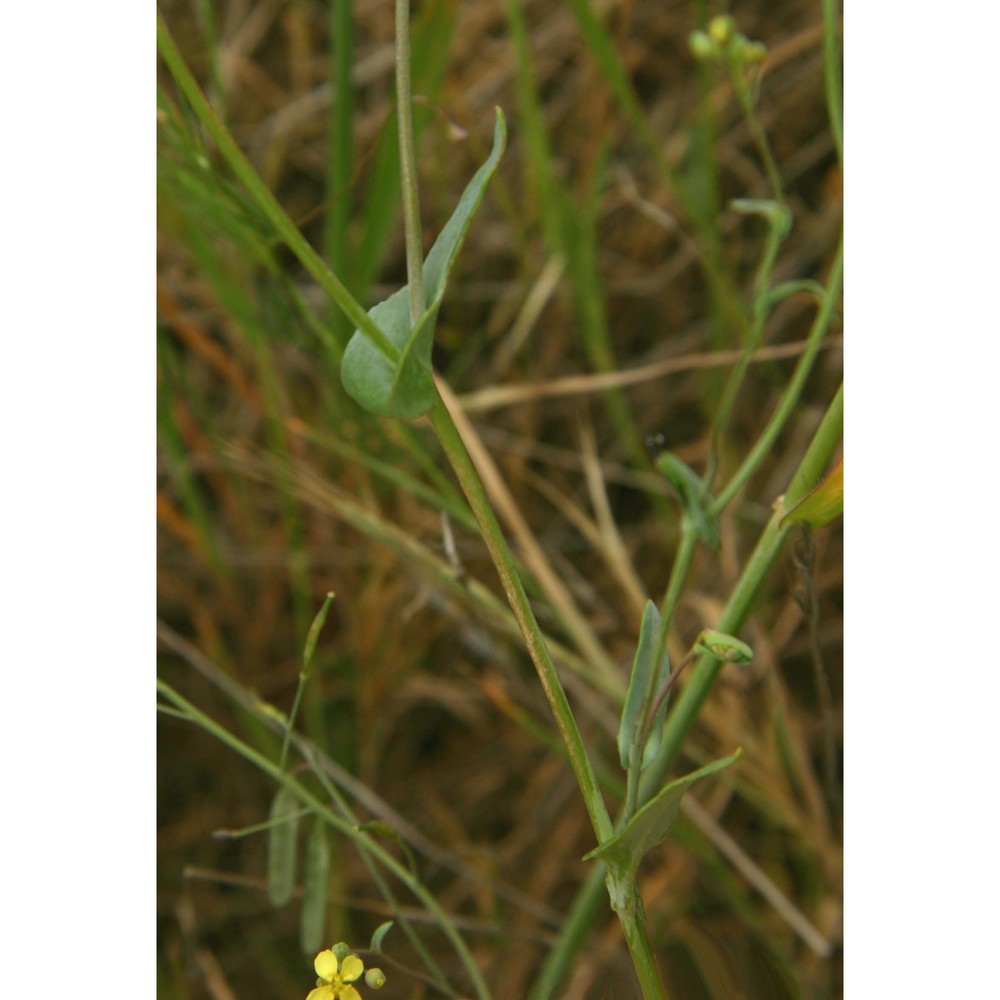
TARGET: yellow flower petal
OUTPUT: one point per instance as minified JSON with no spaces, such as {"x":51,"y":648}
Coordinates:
{"x":326,"y":965}
{"x":348,"y":992}
{"x":322,"y":993}
{"x":352,"y":968}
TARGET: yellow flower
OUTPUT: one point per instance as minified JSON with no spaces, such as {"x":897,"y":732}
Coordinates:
{"x":336,"y":977}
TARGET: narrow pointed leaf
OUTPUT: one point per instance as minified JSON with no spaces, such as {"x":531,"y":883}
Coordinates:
{"x":379,"y":935}
{"x":282,"y":846}
{"x":315,"y":883}
{"x":404,"y":387}
{"x":642,"y":687}
{"x":650,"y":825}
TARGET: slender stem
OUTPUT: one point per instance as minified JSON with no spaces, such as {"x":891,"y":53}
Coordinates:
{"x":339,"y":150}
{"x":777,"y":229}
{"x":631,"y":917}
{"x":831,"y":72}
{"x":587,"y":904}
{"x":759,"y":138}
{"x":765,"y":442}
{"x":703,"y":677}
{"x":408,"y":165}
{"x":503,"y":560}
{"x":633,"y":921}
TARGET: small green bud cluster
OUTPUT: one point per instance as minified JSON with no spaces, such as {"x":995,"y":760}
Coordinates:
{"x":722,"y":42}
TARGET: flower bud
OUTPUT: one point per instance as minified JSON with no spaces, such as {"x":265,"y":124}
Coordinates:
{"x":341,"y":949}
{"x":702,"y":46}
{"x":375,"y":978}
{"x":721,"y":28}
{"x":754,"y":53}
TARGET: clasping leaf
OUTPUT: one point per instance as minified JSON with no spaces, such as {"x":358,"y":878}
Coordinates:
{"x":650,"y":825}
{"x":404,"y":387}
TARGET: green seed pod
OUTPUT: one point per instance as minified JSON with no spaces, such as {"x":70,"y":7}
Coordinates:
{"x":315,"y":882}
{"x":375,"y":978}
{"x":725,"y":647}
{"x":282,"y":846}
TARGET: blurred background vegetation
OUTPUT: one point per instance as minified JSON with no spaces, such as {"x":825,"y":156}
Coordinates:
{"x":604,"y":245}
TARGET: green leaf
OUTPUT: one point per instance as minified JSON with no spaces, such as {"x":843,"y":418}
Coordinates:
{"x":822,"y":504}
{"x":650,"y":825}
{"x":315,"y":884}
{"x":379,"y":935}
{"x":282,"y":844}
{"x":642,"y":688}
{"x":688,"y":488}
{"x":404,"y":387}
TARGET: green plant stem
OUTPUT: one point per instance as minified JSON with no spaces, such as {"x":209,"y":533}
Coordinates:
{"x":706,"y":670}
{"x":362,"y":840}
{"x":266,"y":201}
{"x":631,"y":916}
{"x":777,"y":228}
{"x":760,"y":139}
{"x":339,"y":152}
{"x":765,"y":442}
{"x":408,"y":165}
{"x":831,"y":74}
{"x":503,"y":560}
{"x":587,"y":905}
{"x":633,"y":921}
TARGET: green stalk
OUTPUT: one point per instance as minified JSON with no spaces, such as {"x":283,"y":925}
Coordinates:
{"x":349,"y":830}
{"x":633,"y":921}
{"x":587,"y":905}
{"x":266,"y":201}
{"x":408,"y":165}
{"x":831,"y":73}
{"x":631,"y":916}
{"x":765,"y":442}
{"x":339,"y":151}
{"x":454,"y":447}
{"x":706,"y":670}
{"x":503,"y":560}
{"x":746,"y":100}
